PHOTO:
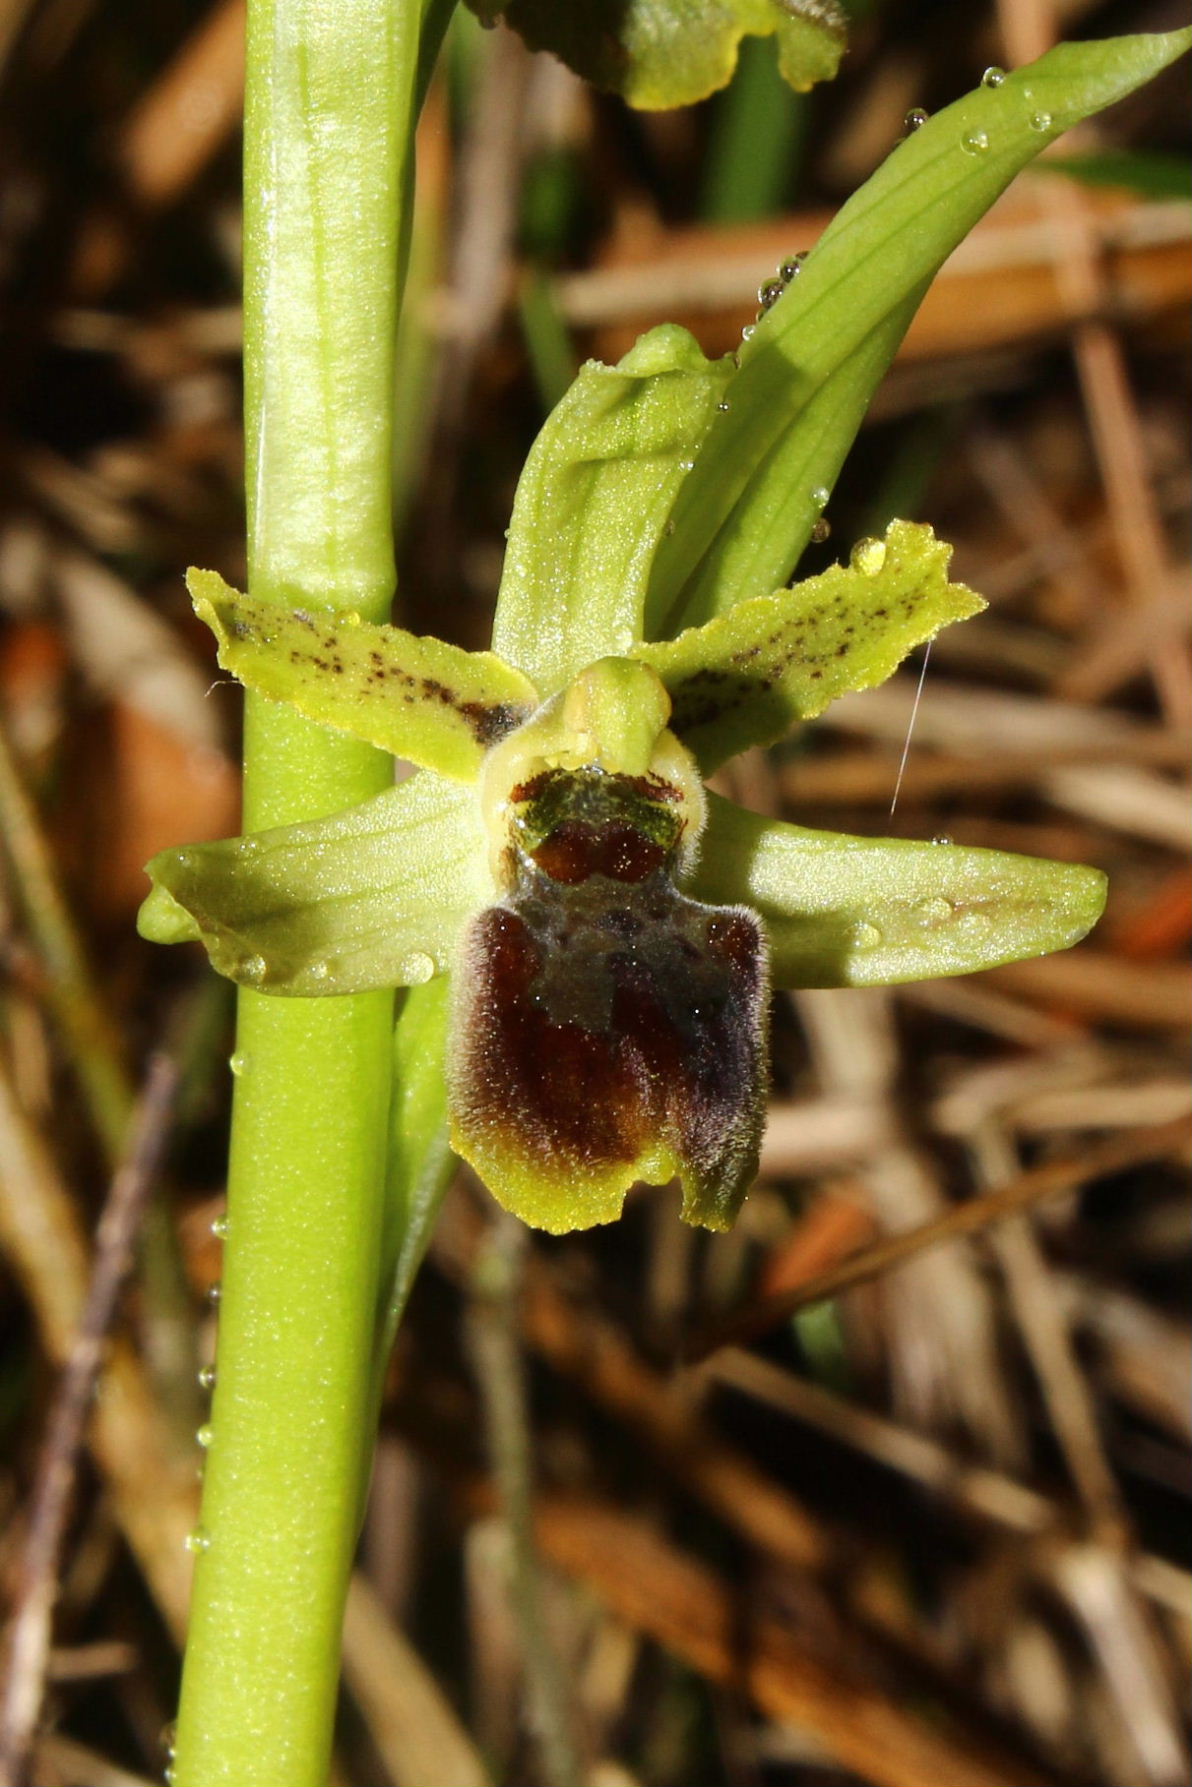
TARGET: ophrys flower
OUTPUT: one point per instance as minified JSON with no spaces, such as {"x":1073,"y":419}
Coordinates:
{"x":612,"y":928}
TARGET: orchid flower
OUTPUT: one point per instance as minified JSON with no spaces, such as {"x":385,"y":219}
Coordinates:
{"x":611,"y":928}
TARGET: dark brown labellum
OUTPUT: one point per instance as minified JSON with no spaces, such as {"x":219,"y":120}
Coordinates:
{"x":607,"y":1028}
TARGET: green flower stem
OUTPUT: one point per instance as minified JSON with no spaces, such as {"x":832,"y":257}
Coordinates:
{"x":330,"y":106}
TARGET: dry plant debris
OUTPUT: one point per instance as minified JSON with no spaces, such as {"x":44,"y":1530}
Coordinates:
{"x":930,"y":1527}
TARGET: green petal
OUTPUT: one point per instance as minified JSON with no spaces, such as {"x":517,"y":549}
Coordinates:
{"x":663,"y":53}
{"x":746,"y":677}
{"x":855,"y":912}
{"x":371,"y":897}
{"x":421,"y":699}
{"x":592,"y":505}
{"x":744,"y":516}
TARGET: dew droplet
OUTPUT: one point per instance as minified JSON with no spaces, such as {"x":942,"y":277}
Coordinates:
{"x":724,"y":405}
{"x":769,"y":294}
{"x":975,"y":921}
{"x":350,"y":618}
{"x":238,"y":1062}
{"x":319,"y":969}
{"x":168,"y":1775}
{"x":219,"y":1227}
{"x":943,"y":838}
{"x":197,"y":1541}
{"x":793,"y":267}
{"x":253,"y":969}
{"x":670,"y":525}
{"x":214,"y":1294}
{"x":207,"y":1376}
{"x":916,"y":118}
{"x":1041,"y":121}
{"x":993,"y":77}
{"x":975,"y":142}
{"x":169,"y":1739}
{"x":866,"y":936}
{"x":937,"y":911}
{"x":205,"y":1434}
{"x":747,"y":332}
{"x":821,"y":530}
{"x":868,"y":557}
{"x":417,"y":969}
{"x":182,"y":858}
{"x":820,"y":495}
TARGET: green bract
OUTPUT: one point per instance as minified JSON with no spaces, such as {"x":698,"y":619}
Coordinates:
{"x":611,"y":930}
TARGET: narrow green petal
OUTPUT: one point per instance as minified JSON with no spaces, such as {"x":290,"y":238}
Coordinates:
{"x":746,"y":677}
{"x":371,"y":897}
{"x":743,"y":517}
{"x":855,"y":912}
{"x":592,"y":505}
{"x":433,"y":703}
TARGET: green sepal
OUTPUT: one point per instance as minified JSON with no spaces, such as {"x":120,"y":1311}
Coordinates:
{"x":593,"y":501}
{"x":746,"y":677}
{"x":420,"y":698}
{"x":744,"y":516}
{"x":662,"y":53}
{"x":372,"y":897}
{"x":844,"y":911}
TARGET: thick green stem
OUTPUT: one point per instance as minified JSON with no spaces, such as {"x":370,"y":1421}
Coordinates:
{"x":329,"y":132}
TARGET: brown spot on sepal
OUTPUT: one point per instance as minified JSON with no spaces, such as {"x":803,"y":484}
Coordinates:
{"x":606,"y":1032}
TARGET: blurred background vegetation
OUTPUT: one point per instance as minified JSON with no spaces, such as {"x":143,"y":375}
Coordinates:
{"x":931,"y":1530}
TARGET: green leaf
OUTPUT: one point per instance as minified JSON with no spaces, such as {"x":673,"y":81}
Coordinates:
{"x":746,"y":677}
{"x":592,"y":504}
{"x":856,"y":912}
{"x":660,"y":53}
{"x":371,"y":897}
{"x":744,"y":515}
{"x":433,"y":703}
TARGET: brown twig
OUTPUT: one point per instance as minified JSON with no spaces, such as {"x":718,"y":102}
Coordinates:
{"x":30,"y":1630}
{"x":693,"y":1612}
{"x":1022,"y":1193}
